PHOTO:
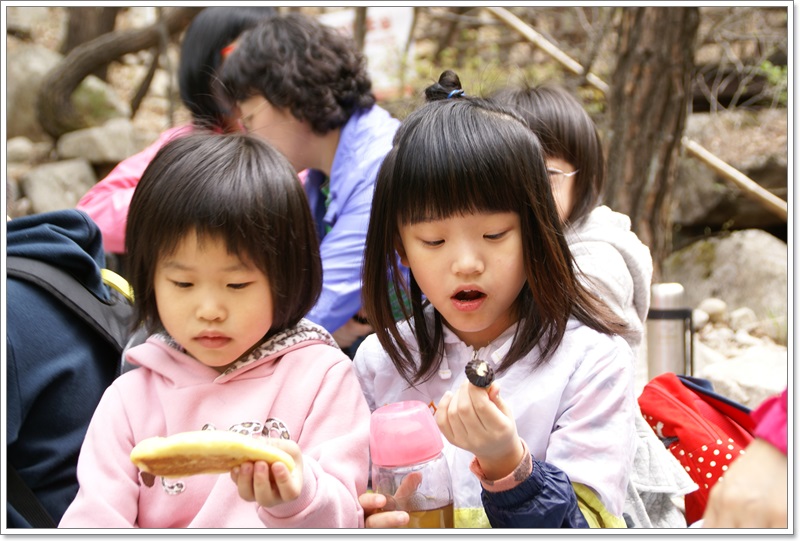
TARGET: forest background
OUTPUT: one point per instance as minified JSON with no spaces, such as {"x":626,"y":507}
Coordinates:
{"x":693,"y":102}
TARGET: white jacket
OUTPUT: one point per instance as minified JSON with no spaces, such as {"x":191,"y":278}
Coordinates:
{"x":615,"y":265}
{"x":576,"y":411}
{"x":618,"y":267}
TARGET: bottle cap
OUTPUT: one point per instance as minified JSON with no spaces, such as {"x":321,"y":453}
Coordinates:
{"x":403,"y":433}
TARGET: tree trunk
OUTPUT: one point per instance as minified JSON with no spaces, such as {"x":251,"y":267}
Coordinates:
{"x":650,"y":93}
{"x":447,"y":36}
{"x":86,"y":23}
{"x":56,"y":113}
{"x":360,"y":27}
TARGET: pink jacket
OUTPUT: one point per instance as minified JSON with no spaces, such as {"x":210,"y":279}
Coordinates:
{"x":295,"y":382}
{"x":770,"y":418}
{"x":107,"y":201}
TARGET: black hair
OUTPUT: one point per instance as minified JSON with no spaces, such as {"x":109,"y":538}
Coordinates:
{"x":567,"y":132}
{"x":460,"y":156}
{"x":296,"y":62}
{"x":234,"y":187}
{"x":210,"y":31}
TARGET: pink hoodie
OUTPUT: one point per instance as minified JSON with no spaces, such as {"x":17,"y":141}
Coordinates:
{"x":107,"y":201}
{"x":771,"y":420}
{"x":296,"y":380}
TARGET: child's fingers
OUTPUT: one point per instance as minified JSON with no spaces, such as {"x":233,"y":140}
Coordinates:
{"x":462,"y":406}
{"x":445,"y":401}
{"x":494,"y":392}
{"x":244,"y":482}
{"x":494,"y":396}
{"x":288,"y":485}
{"x":265,"y":493}
{"x":409,"y":485}
{"x":371,"y":501}
{"x":388,"y":519}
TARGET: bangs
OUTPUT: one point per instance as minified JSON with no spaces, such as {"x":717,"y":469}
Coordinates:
{"x":231,"y":198}
{"x":459,"y":164}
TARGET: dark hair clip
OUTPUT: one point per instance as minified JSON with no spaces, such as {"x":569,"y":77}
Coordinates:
{"x":455,"y":93}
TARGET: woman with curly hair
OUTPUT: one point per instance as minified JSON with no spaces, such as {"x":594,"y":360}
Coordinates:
{"x":304,"y":88}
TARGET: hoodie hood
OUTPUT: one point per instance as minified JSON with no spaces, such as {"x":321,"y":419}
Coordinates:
{"x":179,"y":366}
{"x":606,"y":226}
{"x":67,"y":239}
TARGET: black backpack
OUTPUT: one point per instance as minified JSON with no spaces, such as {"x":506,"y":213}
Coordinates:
{"x":111,"y":319}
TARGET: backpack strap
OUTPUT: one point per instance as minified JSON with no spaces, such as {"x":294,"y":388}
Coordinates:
{"x":22,"y":498}
{"x":109,"y":318}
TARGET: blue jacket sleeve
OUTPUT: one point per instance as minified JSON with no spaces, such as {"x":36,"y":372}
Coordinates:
{"x":545,"y":499}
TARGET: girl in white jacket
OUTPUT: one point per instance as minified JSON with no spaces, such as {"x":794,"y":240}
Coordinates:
{"x":464,"y":200}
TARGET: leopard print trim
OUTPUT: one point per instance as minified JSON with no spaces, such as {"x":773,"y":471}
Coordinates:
{"x":304,"y":331}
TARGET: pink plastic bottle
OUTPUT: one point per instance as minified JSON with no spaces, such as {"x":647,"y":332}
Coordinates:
{"x":408,"y":466}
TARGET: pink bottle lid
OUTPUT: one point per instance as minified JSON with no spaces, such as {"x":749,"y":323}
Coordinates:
{"x":403,"y":433}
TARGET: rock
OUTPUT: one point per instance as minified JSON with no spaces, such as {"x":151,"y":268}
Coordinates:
{"x":110,"y":143}
{"x":774,"y":328}
{"x":15,"y":172}
{"x":58,"y":185}
{"x":721,"y":338}
{"x":23,"y":20}
{"x":753,"y":142}
{"x":21,"y":207}
{"x":15,"y":206}
{"x":700,"y":319}
{"x":744,"y":338}
{"x":26,"y":67}
{"x":745,"y":268}
{"x":750,"y":378}
{"x":743,"y":319}
{"x":95,"y":101}
{"x":705,"y":356}
{"x":715,"y":308}
{"x":19,"y":150}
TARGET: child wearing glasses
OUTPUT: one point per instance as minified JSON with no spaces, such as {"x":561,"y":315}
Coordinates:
{"x":612,"y":262}
{"x":304,"y":87}
{"x":610,"y":257}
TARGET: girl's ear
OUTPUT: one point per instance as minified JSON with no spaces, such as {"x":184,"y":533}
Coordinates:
{"x":398,"y":246}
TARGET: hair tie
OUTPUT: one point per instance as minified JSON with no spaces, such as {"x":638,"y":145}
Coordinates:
{"x":455,"y":93}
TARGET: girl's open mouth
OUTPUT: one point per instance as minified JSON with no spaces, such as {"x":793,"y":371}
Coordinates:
{"x":468,"y":295}
{"x":468,"y":300}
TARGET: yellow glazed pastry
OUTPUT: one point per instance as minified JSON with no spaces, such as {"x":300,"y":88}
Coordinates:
{"x":203,"y":451}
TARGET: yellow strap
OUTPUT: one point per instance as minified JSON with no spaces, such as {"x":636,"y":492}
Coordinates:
{"x":593,"y":509}
{"x":590,"y":505}
{"x":470,"y":517}
{"x":112,"y":279}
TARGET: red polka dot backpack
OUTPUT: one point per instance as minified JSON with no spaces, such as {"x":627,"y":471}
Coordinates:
{"x":704,"y":430}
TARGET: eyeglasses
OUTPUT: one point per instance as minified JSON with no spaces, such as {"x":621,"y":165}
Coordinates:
{"x":553,"y":173}
{"x":245,"y":121}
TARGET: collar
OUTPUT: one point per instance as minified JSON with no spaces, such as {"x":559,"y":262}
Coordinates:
{"x":304,"y":331}
{"x":494,"y":352}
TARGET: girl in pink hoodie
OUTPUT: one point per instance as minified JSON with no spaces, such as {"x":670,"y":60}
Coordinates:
{"x":224,"y":263}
